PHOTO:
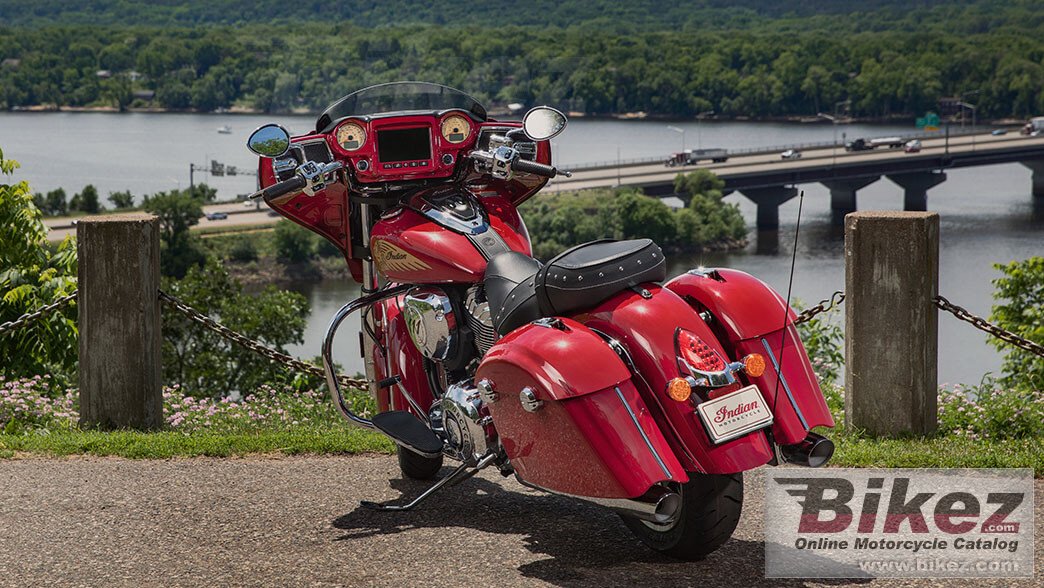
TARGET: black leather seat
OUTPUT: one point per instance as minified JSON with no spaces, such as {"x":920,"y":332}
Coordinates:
{"x":510,"y":283}
{"x":519,"y":289}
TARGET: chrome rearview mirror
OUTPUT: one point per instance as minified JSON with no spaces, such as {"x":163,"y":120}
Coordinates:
{"x":543,"y":122}
{"x":270,"y":140}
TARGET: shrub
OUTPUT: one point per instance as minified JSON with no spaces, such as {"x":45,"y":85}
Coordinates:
{"x":243,"y":250}
{"x":989,"y":411}
{"x":1020,"y":309}
{"x":32,"y":276}
{"x":293,"y":243}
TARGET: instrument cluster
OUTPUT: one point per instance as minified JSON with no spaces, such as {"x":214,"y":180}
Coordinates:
{"x":406,"y":147}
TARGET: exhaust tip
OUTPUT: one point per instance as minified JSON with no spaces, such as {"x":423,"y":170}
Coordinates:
{"x":814,"y":451}
{"x":667,"y":508}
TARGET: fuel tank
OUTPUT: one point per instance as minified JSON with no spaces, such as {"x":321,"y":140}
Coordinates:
{"x":445,"y":235}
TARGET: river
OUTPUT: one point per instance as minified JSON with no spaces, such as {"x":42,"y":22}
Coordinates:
{"x":987,"y":213}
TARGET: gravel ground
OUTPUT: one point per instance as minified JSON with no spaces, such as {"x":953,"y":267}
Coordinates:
{"x":296,"y":522}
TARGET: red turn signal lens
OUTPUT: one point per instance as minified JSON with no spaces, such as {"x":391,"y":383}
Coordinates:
{"x":698,"y":354}
{"x":754,"y":365}
{"x":679,"y":389}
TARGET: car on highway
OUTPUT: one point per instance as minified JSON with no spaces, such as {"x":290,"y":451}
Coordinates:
{"x":217,"y":216}
{"x":912,"y":146}
{"x":999,"y":132}
{"x":790,"y":154}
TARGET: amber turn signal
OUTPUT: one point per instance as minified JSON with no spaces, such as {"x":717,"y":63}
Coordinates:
{"x":679,"y":389}
{"x":754,"y":365}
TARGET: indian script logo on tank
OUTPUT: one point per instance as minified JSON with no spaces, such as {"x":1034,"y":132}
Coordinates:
{"x":390,"y":257}
{"x":929,"y":523}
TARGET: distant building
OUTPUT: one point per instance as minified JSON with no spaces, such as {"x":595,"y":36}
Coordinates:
{"x":11,"y":63}
{"x":103,"y":74}
{"x":145,"y":95}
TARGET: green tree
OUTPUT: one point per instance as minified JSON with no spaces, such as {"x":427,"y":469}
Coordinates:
{"x":1020,"y":309}
{"x":33,"y":275}
{"x":178,"y":211}
{"x":56,"y":202}
{"x":205,"y":364}
{"x":118,"y":92}
{"x":293,"y":243}
{"x":86,"y":201}
{"x":122,"y":199}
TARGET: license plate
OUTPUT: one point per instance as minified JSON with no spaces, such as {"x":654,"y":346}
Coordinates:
{"x":735,"y":414}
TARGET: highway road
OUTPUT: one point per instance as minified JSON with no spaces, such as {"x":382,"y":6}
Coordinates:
{"x":242,"y":215}
{"x":640,"y":175}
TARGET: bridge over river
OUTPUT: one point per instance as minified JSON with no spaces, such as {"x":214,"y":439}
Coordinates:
{"x":769,"y":181}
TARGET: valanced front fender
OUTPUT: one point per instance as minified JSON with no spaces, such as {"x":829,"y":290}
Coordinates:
{"x":569,"y":416}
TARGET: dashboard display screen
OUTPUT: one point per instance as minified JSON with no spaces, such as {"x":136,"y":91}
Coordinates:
{"x":404,"y":144}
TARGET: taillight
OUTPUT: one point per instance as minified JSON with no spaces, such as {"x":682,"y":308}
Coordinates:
{"x":697,"y":354}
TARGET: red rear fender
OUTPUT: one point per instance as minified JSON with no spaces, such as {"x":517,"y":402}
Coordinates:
{"x":750,"y":315}
{"x":646,"y":327}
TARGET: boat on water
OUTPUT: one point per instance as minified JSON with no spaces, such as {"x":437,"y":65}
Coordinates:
{"x":225,"y":130}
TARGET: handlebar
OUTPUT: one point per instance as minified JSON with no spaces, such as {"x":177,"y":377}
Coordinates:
{"x":533,"y":167}
{"x":294,"y":184}
{"x":310,"y":178}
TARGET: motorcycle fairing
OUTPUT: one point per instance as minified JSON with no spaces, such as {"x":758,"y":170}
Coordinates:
{"x":751,"y":315}
{"x":646,"y":328}
{"x":592,"y":435}
{"x":400,"y":358}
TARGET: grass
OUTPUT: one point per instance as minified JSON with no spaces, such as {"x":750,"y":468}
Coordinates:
{"x":940,"y":452}
{"x":168,"y":444}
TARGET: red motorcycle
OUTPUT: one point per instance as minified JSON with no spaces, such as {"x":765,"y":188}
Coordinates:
{"x":586,"y":376}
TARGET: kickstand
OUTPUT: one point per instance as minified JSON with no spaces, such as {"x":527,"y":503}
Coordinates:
{"x":456,"y":476}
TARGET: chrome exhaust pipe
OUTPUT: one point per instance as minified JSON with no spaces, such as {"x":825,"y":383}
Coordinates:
{"x":659,"y":505}
{"x":813,"y":452}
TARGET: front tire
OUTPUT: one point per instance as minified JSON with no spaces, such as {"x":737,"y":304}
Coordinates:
{"x":711,"y":507}
{"x":417,"y":466}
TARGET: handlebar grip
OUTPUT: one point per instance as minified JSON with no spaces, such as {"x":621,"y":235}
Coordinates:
{"x":285,"y":187}
{"x":532,"y":167}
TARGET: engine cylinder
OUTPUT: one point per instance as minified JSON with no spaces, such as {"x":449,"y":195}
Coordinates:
{"x":431,"y":322}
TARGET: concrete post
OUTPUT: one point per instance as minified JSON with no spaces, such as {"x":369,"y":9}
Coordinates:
{"x":1037,"y":165}
{"x":915,"y":187}
{"x":891,"y":338}
{"x":768,"y":201}
{"x":843,"y":195}
{"x":119,"y":321}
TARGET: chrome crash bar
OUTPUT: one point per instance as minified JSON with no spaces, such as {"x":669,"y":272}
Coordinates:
{"x":328,"y":365}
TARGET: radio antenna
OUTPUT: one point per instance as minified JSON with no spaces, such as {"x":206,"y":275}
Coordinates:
{"x":786,"y":309}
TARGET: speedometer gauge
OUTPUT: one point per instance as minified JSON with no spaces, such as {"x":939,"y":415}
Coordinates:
{"x":351,"y":136}
{"x":455,"y":129}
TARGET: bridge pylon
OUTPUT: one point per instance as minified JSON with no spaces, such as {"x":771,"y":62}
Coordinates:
{"x":915,"y":187}
{"x":1037,"y":165}
{"x":843,"y":195}
{"x":769,"y":200}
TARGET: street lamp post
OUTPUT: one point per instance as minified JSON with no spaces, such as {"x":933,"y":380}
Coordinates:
{"x":833,"y":123}
{"x":699,"y":134}
{"x":678,"y":130}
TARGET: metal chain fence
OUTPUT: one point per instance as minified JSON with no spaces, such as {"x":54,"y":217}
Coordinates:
{"x":31,"y":317}
{"x":976,"y":321}
{"x":253,"y":345}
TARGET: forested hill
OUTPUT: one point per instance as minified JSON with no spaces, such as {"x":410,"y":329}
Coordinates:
{"x":960,"y":16}
{"x":737,"y":58}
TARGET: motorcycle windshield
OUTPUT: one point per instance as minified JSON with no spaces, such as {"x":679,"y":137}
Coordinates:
{"x":399,"y":97}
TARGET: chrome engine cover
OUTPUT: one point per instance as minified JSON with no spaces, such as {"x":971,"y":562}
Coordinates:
{"x":430,"y":321}
{"x":479,"y":319}
{"x":463,"y":425}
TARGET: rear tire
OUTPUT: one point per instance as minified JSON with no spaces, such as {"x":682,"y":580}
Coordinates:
{"x":417,"y":466}
{"x":711,"y":507}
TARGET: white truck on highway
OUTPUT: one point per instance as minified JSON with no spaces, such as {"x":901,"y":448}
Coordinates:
{"x":694,"y":156}
{"x":1034,"y":127}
